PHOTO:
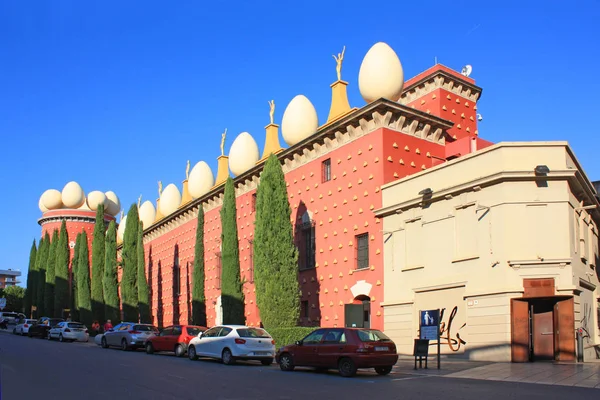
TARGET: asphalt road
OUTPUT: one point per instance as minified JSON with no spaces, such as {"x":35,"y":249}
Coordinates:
{"x":53,"y":370}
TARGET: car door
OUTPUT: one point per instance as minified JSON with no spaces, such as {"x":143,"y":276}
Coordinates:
{"x":206,"y":342}
{"x":306,"y":354}
{"x":160,"y":342}
{"x":222,"y":341}
{"x":331,"y":348}
{"x":173,"y":339}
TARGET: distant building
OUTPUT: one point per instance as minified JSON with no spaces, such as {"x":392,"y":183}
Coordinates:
{"x":9,"y":277}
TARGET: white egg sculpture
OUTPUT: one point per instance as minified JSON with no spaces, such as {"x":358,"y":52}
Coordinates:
{"x":113,"y":204}
{"x":299,"y":120}
{"x":243,"y":154}
{"x":41,"y":206}
{"x":51,"y":199}
{"x":95,"y":198}
{"x":147,"y":213}
{"x":121,"y":229}
{"x":72,"y":195}
{"x":201,"y":180}
{"x":170,"y":199}
{"x":381,"y":74}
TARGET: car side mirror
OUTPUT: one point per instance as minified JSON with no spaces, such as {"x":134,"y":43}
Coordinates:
{"x":200,"y":335}
{"x":298,"y":342}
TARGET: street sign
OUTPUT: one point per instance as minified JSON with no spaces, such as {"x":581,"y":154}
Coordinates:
{"x":429,"y":324}
{"x":2,"y":303}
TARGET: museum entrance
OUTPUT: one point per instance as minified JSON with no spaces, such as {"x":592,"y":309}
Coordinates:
{"x":358,"y":314}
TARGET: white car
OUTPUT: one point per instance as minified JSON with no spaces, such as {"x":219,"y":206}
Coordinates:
{"x":69,"y":331}
{"x":233,"y":342}
{"x":22,"y":327}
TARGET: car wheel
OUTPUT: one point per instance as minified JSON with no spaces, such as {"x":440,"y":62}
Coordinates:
{"x":267,"y":362}
{"x":383,"y":370}
{"x":179,"y":351}
{"x":192,"y":353}
{"x":286,"y":362}
{"x":149,"y":348}
{"x":60,"y":338}
{"x":124,"y":346}
{"x":227,"y":357}
{"x":347,"y":368}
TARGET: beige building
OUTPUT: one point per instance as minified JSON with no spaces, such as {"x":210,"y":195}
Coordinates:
{"x":505,"y":242}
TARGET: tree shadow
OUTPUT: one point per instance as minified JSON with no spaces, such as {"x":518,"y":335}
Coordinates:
{"x":150,"y":280}
{"x":305,"y":230}
{"x":159,"y":303}
{"x":176,"y":284}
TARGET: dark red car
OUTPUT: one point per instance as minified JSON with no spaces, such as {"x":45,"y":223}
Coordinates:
{"x":344,"y":349}
{"x":173,"y":338}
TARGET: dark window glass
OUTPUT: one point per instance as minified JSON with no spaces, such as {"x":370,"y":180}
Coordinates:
{"x":177,"y":330}
{"x":326,"y":170}
{"x":145,"y":328}
{"x":362,"y":251}
{"x":166,"y":332}
{"x":372,"y":335}
{"x":253,"y":202}
{"x":176,"y":277}
{"x":304,"y":307}
{"x":194,"y":330}
{"x":334,"y":336}
{"x":75,"y":325}
{"x":314,"y":337}
{"x":225,"y":332}
{"x":252,"y":333}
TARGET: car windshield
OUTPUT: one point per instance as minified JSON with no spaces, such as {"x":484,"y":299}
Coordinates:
{"x":145,"y":328}
{"x":253,"y":333}
{"x":10,"y":315}
{"x":372,"y":335}
{"x":55,"y":321}
{"x":194,"y":330}
{"x":76,"y":325}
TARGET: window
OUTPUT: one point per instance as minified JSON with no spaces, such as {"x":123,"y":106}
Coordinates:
{"x":314,"y":337}
{"x":177,"y":330}
{"x":362,"y":251}
{"x":167,"y":331}
{"x":335,"y":336}
{"x":224,"y":332}
{"x":194,"y":330}
{"x":145,"y":328}
{"x":304,"y":308}
{"x":326,"y":170}
{"x":213,"y":332}
{"x":253,"y":201}
{"x":306,"y":245}
{"x":372,"y":335}
{"x":253,"y":333}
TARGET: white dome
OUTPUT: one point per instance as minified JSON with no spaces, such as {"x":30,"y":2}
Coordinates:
{"x":113,"y":204}
{"x":170,"y":199}
{"x":201,"y":180}
{"x":147,"y":213}
{"x":243,"y":154}
{"x":73,"y":195}
{"x":299,"y":120}
{"x":381,"y":74}
{"x":95,"y":198}
{"x":121,"y":229}
{"x":51,"y":199}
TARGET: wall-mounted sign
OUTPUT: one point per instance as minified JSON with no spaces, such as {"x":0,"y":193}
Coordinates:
{"x":429,"y":325}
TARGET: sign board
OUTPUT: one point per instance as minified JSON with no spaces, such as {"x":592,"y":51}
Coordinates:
{"x":429,"y":325}
{"x":421,"y":348}
{"x":2,"y":303}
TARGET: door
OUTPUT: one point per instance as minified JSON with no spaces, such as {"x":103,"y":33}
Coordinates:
{"x":565,"y":330}
{"x":331,"y":349}
{"x":160,"y":342}
{"x":206,"y":343}
{"x":519,"y":314}
{"x":307,"y":353}
{"x":543,"y":335}
{"x":354,"y":315}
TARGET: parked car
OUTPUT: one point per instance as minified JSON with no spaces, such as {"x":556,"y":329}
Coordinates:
{"x":344,"y":349}
{"x":23,"y":326}
{"x":233,"y":342}
{"x":174,"y":338}
{"x":69,"y":331}
{"x":43,"y":326}
{"x":128,"y":335}
{"x":8,"y":317}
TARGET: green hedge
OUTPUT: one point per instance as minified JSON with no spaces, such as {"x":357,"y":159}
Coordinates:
{"x":285,"y":336}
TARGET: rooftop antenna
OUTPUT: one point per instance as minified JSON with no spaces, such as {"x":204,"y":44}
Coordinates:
{"x":466,"y":71}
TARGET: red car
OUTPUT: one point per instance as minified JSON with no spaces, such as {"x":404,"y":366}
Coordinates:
{"x":344,"y":349}
{"x":173,"y":338}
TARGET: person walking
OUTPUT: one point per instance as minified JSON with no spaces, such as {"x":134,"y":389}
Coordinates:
{"x":108,"y":326}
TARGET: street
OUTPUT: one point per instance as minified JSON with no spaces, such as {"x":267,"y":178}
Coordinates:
{"x":84,"y":370}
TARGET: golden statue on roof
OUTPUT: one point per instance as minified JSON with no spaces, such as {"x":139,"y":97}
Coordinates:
{"x":223,"y":142}
{"x":339,"y":59}
{"x":187,"y":170}
{"x":272,"y":111}
{"x":159,"y":188}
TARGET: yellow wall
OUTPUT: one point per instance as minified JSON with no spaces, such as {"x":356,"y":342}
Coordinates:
{"x":488,"y":225}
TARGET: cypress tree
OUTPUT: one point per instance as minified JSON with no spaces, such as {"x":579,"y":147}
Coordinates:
{"x":31,"y":276}
{"x":61,"y":286}
{"x":98,"y":265}
{"x":275,"y":255}
{"x":198,"y":296}
{"x":129,"y":293}
{"x":50,"y":275}
{"x":74,"y":306}
{"x":143,"y":293}
{"x":232,"y":296}
{"x":84,"y":297}
{"x":110,"y":282}
{"x":41,"y":262}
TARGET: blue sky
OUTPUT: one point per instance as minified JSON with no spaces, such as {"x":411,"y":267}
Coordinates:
{"x":118,"y":95}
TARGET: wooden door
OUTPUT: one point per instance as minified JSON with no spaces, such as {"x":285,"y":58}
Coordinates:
{"x":519,"y":330}
{"x":565,"y":334}
{"x":543,"y":336}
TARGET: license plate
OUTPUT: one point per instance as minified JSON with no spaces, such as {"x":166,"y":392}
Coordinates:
{"x":381,"y":348}
{"x":262,"y":353}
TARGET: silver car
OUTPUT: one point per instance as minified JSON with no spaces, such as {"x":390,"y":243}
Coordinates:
{"x":128,"y":335}
{"x":69,"y":331}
